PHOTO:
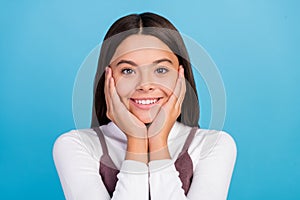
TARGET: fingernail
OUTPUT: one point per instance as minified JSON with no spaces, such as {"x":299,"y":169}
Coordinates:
{"x":182,"y":71}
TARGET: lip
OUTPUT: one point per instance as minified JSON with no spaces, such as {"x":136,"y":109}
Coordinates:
{"x":144,"y":106}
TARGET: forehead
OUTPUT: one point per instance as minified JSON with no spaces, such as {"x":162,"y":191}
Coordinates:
{"x":142,"y":46}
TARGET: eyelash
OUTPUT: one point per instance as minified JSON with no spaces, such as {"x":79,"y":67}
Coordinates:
{"x":125,"y":71}
{"x":162,"y":68}
{"x":159,"y":70}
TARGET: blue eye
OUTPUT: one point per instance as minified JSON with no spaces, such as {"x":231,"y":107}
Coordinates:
{"x":162,"y":70}
{"x":127,"y":71}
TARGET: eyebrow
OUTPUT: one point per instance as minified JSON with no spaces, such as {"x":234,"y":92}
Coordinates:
{"x":135,"y":65}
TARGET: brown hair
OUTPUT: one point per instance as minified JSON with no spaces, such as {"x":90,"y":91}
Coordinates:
{"x":159,"y":27}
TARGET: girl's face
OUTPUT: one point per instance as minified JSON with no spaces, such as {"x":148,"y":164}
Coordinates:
{"x":145,"y":71}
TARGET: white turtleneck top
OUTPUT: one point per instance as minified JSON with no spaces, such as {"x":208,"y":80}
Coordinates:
{"x":77,"y":153}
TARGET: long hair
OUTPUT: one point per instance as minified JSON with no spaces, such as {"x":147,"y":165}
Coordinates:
{"x":159,"y":27}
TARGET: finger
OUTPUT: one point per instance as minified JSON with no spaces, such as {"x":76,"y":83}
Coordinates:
{"x":178,"y":87}
{"x":113,"y":93}
{"x":116,"y":104}
{"x":106,"y":81}
{"x":106,"y":89}
{"x":183,"y":87}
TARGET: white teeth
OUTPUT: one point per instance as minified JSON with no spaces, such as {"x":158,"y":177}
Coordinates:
{"x":146,"y":102}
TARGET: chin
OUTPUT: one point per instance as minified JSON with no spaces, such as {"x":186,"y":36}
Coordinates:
{"x":146,"y":120}
{"x":146,"y":117}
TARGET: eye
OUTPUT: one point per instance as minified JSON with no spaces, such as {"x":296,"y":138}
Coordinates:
{"x":161,"y":70}
{"x":127,"y":71}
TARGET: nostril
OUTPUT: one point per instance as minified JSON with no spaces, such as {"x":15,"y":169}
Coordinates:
{"x":147,"y":87}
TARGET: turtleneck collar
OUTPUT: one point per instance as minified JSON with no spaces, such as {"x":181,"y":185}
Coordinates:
{"x":114,"y":132}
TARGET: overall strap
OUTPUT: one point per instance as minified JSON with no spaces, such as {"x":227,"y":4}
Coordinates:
{"x":184,"y":163}
{"x":102,"y":140}
{"x":107,"y":170}
{"x":189,"y":140}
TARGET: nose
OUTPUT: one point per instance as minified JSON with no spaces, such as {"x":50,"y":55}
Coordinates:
{"x":145,"y":82}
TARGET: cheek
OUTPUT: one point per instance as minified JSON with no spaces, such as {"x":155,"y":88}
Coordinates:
{"x":125,"y":87}
{"x":168,"y":83}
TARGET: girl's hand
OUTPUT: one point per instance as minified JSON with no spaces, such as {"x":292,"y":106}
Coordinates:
{"x":161,"y":126}
{"x":134,"y":129}
{"x":118,"y":113}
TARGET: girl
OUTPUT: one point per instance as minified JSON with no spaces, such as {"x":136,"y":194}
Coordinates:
{"x":145,"y":142}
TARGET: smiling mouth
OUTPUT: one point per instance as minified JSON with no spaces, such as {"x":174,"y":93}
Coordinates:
{"x":145,"y":101}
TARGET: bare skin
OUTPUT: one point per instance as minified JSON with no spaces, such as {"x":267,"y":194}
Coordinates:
{"x":164,"y":81}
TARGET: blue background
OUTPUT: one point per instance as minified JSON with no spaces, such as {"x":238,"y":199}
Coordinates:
{"x":254,"y":43}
